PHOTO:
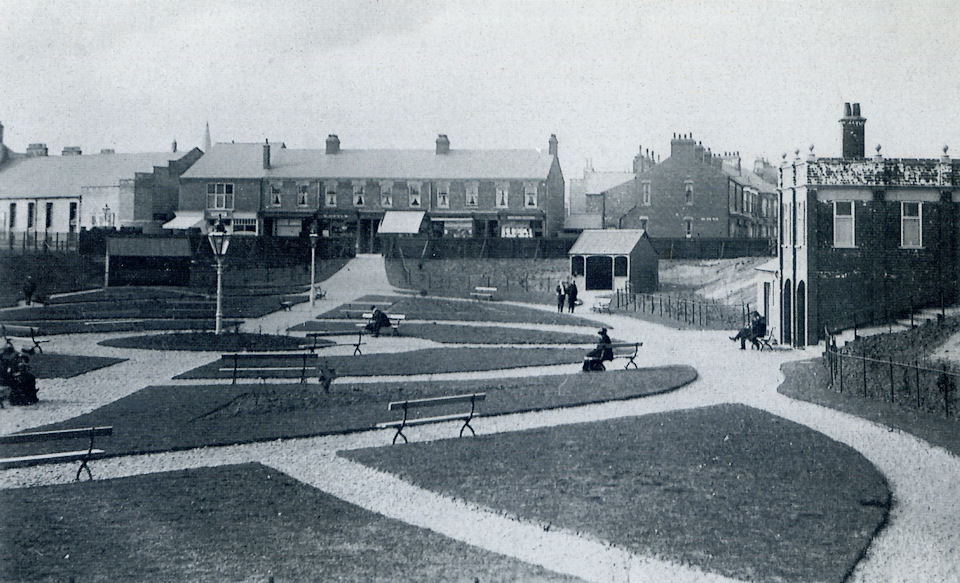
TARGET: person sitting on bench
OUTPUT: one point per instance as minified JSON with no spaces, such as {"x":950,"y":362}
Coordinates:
{"x":23,"y":386}
{"x":603,"y":351}
{"x":377,"y":320}
{"x":756,"y":329}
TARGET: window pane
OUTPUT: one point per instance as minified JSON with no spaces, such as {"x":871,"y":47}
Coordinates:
{"x":911,"y":209}
{"x":843,"y":232}
{"x":576,"y":267}
{"x":228,"y":188}
{"x":844,"y":209}
{"x":620,"y":266}
{"x":211,"y":188}
{"x":911,"y":233}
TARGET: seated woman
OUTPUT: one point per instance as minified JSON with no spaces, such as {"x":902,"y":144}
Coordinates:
{"x":756,"y":329}
{"x":378,"y":320}
{"x":595,"y":358}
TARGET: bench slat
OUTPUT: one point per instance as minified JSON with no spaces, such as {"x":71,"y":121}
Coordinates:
{"x":396,"y":405}
{"x":423,"y":420}
{"x":270,"y":355}
{"x":54,"y":435}
{"x":28,"y":460}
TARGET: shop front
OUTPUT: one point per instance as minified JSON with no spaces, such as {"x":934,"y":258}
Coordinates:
{"x":521,"y":227}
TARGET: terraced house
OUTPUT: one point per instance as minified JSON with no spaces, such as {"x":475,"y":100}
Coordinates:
{"x":863,"y":239}
{"x":261,"y":189}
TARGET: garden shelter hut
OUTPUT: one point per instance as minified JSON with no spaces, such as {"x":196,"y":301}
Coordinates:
{"x":611,"y":259}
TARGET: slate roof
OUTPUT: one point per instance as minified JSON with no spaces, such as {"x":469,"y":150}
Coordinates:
{"x":597,"y":182}
{"x":606,"y":241}
{"x":52,"y":176}
{"x":749,"y":178}
{"x":246,"y":161}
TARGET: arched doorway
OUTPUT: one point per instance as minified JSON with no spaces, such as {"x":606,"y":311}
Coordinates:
{"x":599,"y":274}
{"x":786,"y":308}
{"x":801,"y":318}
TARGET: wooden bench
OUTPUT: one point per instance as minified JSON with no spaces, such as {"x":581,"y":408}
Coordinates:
{"x":307,"y":362}
{"x":14,"y":331}
{"x":84,"y":456}
{"x":769,"y":341}
{"x":602,"y":305}
{"x":626,"y":350}
{"x":484,"y":293}
{"x":315,"y":335}
{"x":286,"y":306}
{"x":406,"y":406}
{"x":395,"y":320}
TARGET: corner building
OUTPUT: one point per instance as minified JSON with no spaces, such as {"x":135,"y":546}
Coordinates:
{"x":863,"y":239}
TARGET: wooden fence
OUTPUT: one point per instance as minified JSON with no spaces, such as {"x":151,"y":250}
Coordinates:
{"x":696,"y":312}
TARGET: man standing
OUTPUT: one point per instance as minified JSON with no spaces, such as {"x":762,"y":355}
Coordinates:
{"x":572,"y":295}
{"x":29,"y":288}
{"x":561,"y":295}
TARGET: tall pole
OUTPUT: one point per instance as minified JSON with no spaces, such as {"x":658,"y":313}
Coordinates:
{"x":219,"y":316}
{"x":313,"y":274}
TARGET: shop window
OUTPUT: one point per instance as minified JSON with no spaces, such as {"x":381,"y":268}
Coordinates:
{"x":911,"y":224}
{"x":503,"y":195}
{"x":413,"y":191}
{"x":843,"y":224}
{"x":386,"y":193}
{"x":620,"y":266}
{"x":576,"y":265}
{"x":443,"y":195}
{"x":245,"y":226}
{"x":472,"y":196}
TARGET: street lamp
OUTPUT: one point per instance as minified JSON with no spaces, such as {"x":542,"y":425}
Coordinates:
{"x":219,"y":241}
{"x":313,"y":264}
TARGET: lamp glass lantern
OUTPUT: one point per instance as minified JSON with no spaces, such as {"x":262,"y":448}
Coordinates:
{"x":219,"y":240}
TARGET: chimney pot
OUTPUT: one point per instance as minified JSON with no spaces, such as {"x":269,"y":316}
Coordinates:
{"x":333,"y":144}
{"x":71,"y":151}
{"x":112,"y":151}
{"x":554,"y":145}
{"x":443,"y":144}
{"x":37,"y":150}
{"x":847,"y":112}
{"x":856,"y":110}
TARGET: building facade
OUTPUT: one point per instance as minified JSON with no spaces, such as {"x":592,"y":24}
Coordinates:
{"x":42,"y":196}
{"x":863,"y":239}
{"x":693,"y":193}
{"x":261,"y":189}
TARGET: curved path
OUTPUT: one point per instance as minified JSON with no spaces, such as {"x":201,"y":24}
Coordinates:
{"x":920,"y":544}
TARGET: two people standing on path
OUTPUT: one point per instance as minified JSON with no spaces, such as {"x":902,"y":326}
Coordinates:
{"x":566,"y":294}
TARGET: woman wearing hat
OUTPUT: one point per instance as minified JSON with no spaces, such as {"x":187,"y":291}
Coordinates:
{"x":595,"y":358}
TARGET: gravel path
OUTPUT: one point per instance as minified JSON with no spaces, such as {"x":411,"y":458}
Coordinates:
{"x":921,"y":542}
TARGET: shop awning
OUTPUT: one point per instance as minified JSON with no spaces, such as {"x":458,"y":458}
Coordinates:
{"x":401,"y":222}
{"x":185,"y":220}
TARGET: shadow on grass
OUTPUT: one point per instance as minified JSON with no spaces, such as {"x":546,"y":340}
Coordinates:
{"x":208,"y":341}
{"x":729,"y":489}
{"x":51,"y":365}
{"x":169,"y":418}
{"x":455,"y":333}
{"x":230,"y":523}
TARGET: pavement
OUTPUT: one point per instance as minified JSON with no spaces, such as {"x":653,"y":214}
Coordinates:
{"x":920,"y":543}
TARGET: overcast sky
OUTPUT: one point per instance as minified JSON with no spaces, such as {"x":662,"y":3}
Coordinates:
{"x":759,"y":77}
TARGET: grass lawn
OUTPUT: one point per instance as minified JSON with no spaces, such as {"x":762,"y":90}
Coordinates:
{"x":176,"y":417}
{"x":133,"y":325}
{"x":425,"y":361}
{"x":420,"y":308}
{"x":208,"y":341}
{"x":730,"y":489}
{"x":808,"y":380}
{"x":454,"y":333}
{"x":51,"y":365}
{"x":230,"y":523}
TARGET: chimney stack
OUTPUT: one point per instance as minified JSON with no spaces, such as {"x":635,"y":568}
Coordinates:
{"x":443,"y":144}
{"x":554,"y":145}
{"x":36,"y":150}
{"x":266,"y":154}
{"x":71,"y":151}
{"x":333,"y":144}
{"x":853,"y":131}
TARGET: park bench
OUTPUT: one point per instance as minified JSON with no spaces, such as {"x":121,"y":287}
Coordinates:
{"x":602,"y":305}
{"x":409,"y":404}
{"x":626,"y":350}
{"x":302,"y":361}
{"x":316,"y":345}
{"x":484,"y":293}
{"x":286,"y":306}
{"x":84,"y":456}
{"x":14,"y":331}
{"x":395,"y":320}
{"x":769,"y":341}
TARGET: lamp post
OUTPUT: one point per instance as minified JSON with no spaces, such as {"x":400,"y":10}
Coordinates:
{"x":219,"y":241}
{"x":313,"y":264}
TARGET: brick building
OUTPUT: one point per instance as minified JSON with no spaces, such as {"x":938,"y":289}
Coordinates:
{"x":863,"y":239}
{"x":261,"y":189}
{"x":42,"y":196}
{"x":693,"y":193}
